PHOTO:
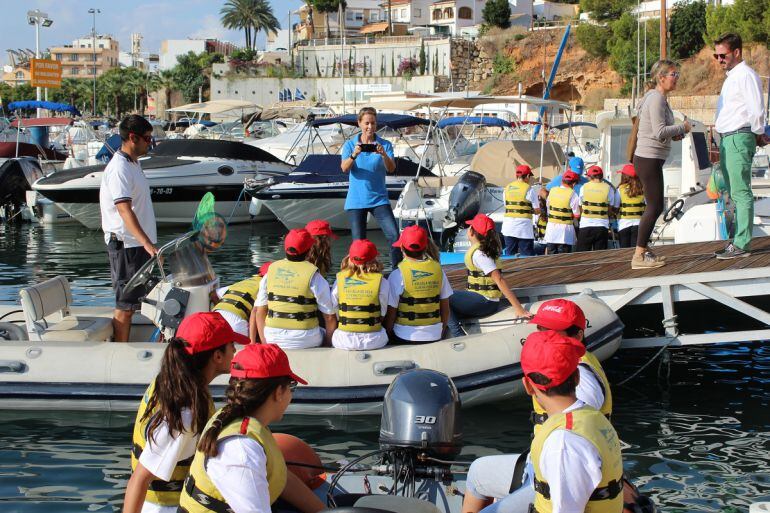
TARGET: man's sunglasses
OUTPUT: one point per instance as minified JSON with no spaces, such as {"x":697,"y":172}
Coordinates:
{"x":721,"y":56}
{"x":147,"y":138}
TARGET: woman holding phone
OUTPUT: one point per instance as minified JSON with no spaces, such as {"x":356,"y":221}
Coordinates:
{"x":368,"y":158}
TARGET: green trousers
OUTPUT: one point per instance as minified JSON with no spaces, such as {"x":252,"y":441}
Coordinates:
{"x":735,"y":155}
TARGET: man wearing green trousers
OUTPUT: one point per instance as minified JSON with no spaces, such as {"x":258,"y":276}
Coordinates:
{"x":741,"y":124}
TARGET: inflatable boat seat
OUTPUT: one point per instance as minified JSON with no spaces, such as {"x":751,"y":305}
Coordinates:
{"x":54,"y":296}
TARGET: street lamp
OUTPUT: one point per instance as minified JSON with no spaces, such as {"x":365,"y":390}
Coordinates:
{"x":37,"y":18}
{"x":94,"y":12}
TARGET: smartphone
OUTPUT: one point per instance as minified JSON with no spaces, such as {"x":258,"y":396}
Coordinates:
{"x":368,"y":148}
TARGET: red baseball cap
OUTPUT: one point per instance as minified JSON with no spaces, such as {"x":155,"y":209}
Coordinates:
{"x":263,"y":269}
{"x":628,"y":169}
{"x":298,"y":242}
{"x":482,"y":223}
{"x":362,"y":251}
{"x":262,"y":361}
{"x":523,"y":170}
{"x":570,"y":176}
{"x":320,"y":227}
{"x":413,"y":238}
{"x":595,"y":171}
{"x":559,"y":314}
{"x":203,"y":331}
{"x":551,"y":354}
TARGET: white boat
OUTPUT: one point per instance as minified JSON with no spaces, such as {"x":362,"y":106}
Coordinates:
{"x":179,"y":172}
{"x":69,"y":362}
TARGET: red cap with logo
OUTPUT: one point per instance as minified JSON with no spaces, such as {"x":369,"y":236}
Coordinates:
{"x":362,"y":251}
{"x":559,"y":314}
{"x":523,"y":170}
{"x":263,"y":269}
{"x":262,"y":361}
{"x":298,"y":242}
{"x":204,"y":331}
{"x":628,"y":170}
{"x":570,"y":176}
{"x":551,"y":354}
{"x":413,"y":238}
{"x":481,"y":224}
{"x":595,"y":171}
{"x":318,"y":227}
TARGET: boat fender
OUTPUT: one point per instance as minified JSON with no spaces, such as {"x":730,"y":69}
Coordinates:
{"x":634,"y":501}
{"x":301,"y":460}
{"x":10,"y":331}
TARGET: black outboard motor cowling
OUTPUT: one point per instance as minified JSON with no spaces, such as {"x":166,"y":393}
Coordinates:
{"x":465,"y":198}
{"x":421,"y":411}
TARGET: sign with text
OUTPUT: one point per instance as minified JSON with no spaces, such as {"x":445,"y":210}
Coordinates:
{"x":46,"y":73}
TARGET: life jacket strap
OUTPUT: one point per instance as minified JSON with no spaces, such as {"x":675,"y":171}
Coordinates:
{"x":297,"y":316}
{"x":369,"y":321}
{"x":413,"y":316}
{"x":610,"y":491}
{"x":538,"y":418}
{"x":594,"y":204}
{"x":296,"y":300}
{"x":204,"y":499}
{"x":411,"y":301}
{"x":344,"y":307}
{"x":478,"y":286}
{"x":243,"y":295}
{"x":476,"y":274}
{"x":237,"y":304}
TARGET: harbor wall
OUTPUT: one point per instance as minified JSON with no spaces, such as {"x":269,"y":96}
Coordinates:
{"x":701,"y":108}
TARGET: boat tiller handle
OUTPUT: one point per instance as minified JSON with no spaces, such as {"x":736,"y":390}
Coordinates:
{"x":394,"y":367}
{"x":15,"y":366}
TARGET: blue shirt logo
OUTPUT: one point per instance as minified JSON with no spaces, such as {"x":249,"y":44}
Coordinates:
{"x":417,"y":275}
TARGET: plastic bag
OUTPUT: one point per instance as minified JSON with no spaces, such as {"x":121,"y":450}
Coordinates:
{"x":717,"y":184}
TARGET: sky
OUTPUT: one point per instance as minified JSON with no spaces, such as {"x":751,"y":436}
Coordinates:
{"x":156,"y":20}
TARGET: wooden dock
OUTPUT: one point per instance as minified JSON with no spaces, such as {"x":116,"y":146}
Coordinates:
{"x":691,"y":273}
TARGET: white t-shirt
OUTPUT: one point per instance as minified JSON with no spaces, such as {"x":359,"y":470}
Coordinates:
{"x":416,"y":333}
{"x":613,"y":199}
{"x":162,"y":452}
{"x":239,"y":471}
{"x":572,"y":467}
{"x":558,"y":233}
{"x":521,"y":227}
{"x":357,"y":341}
{"x":589,"y":390}
{"x":299,"y":339}
{"x":124,"y":180}
{"x":486,"y":264}
{"x":236,"y":323}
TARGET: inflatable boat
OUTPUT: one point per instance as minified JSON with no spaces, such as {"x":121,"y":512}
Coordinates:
{"x":68,"y":362}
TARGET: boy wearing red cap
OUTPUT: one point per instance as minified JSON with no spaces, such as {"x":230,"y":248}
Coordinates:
{"x":290,"y":297}
{"x":563,"y":208}
{"x":521,"y":203}
{"x":418,"y":308}
{"x":575,"y":459}
{"x":631,"y":206}
{"x":598,"y":201}
{"x":235,"y":302}
{"x":361,"y":294}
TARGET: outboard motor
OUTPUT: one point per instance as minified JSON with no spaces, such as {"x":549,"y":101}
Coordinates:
{"x":465,"y":199}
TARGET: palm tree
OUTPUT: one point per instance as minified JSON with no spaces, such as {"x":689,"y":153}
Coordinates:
{"x":263,"y":19}
{"x":164,"y":80}
{"x":251,"y":16}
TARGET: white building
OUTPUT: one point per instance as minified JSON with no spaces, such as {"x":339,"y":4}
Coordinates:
{"x":278,"y":41}
{"x":550,"y":11}
{"x":650,"y":9}
{"x":170,"y":49}
{"x":451,"y":16}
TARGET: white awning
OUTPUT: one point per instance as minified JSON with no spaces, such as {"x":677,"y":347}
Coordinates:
{"x":405,"y":104}
{"x":216,"y":106}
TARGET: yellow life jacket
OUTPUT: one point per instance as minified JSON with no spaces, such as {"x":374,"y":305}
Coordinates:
{"x":590,"y":362}
{"x":477,"y":280}
{"x":239,"y":298}
{"x":559,"y":210}
{"x":595,"y":200}
{"x":594,"y":427}
{"x":163,"y":493}
{"x":542,"y":221}
{"x":359,"y":302}
{"x":419,"y":303}
{"x":291,"y":304}
{"x":630,"y":207}
{"x":200,"y":495}
{"x":516,"y":202}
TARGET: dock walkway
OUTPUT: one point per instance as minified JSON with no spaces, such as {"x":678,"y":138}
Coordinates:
{"x":692,"y":273}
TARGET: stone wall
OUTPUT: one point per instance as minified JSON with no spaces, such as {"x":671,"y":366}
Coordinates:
{"x":699,"y":108}
{"x":470,"y":67}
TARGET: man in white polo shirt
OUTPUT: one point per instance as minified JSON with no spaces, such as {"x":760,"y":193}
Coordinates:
{"x":128,"y":220}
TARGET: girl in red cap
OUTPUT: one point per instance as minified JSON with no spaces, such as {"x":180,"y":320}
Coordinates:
{"x":563,"y":208}
{"x":321,"y":253}
{"x":361,"y":294}
{"x":521,"y":204}
{"x":485,"y":281}
{"x":238,"y":465}
{"x":631,"y":206}
{"x":174,"y":410}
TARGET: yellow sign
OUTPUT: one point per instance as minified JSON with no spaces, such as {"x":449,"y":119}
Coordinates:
{"x":46,"y":73}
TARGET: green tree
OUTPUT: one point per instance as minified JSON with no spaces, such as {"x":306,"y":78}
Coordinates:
{"x":750,"y":14}
{"x":687,"y":24}
{"x":423,"y":57}
{"x":719,"y":20}
{"x":497,"y":13}
{"x":190,"y":75}
{"x":594,"y":39}
{"x":251,"y":16}
{"x":604,"y":10}
{"x":326,"y":7}
{"x":622,"y":45}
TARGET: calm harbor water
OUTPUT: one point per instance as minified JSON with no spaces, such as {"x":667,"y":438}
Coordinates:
{"x":696,"y":427}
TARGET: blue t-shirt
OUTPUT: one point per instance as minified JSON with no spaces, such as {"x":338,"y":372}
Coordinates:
{"x":556,"y":182}
{"x":367,"y":176}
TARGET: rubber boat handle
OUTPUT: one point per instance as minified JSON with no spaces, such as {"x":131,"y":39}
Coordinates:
{"x":12,"y":366}
{"x":394,"y":367}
